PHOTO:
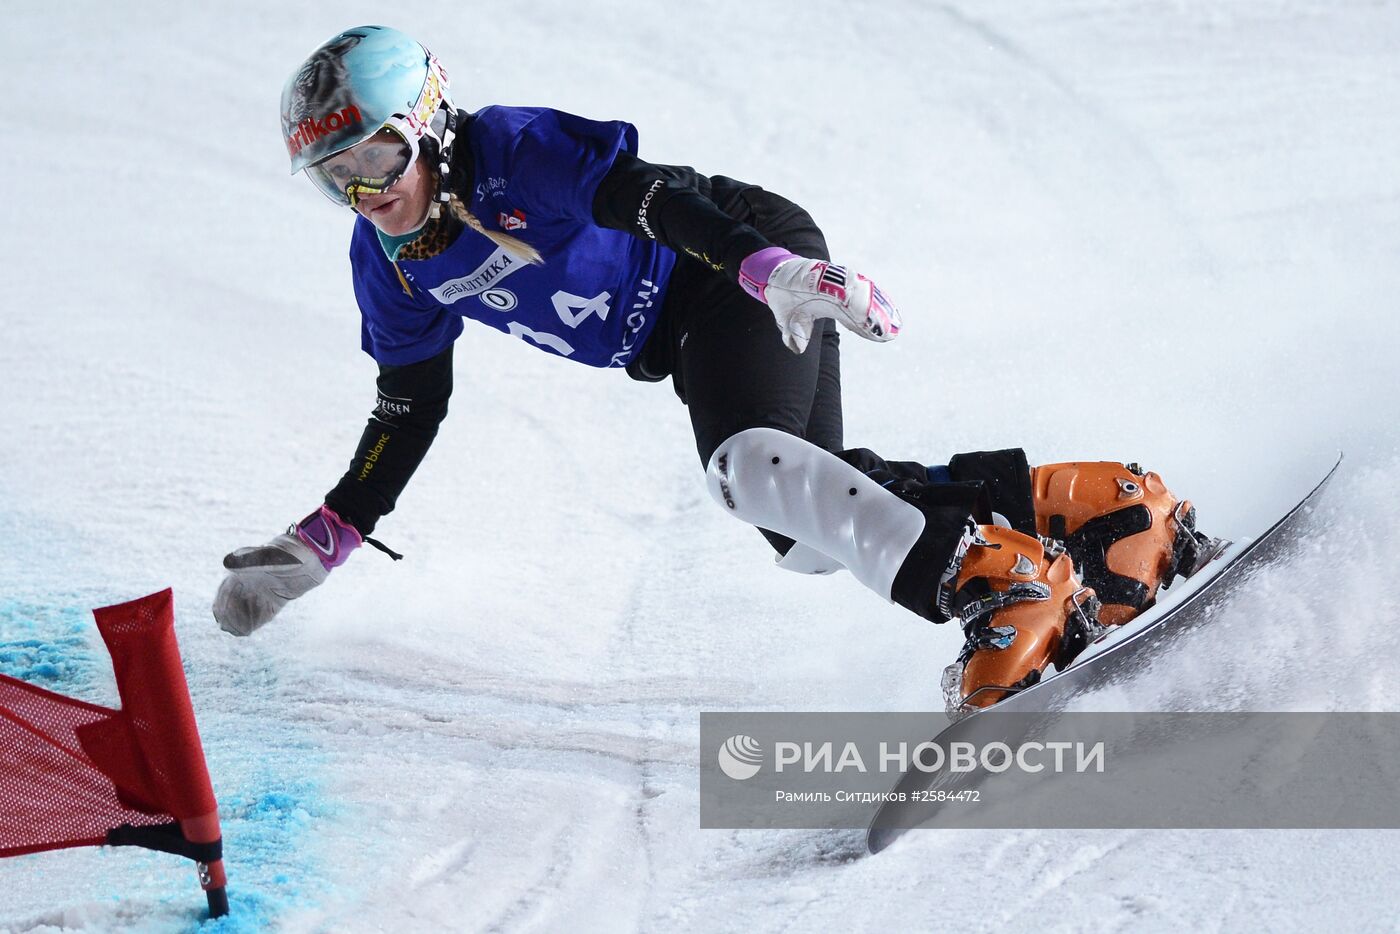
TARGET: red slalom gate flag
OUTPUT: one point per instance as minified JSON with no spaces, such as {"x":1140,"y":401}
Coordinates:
{"x":76,"y":774}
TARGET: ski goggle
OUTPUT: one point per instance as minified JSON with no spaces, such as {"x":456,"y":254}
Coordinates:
{"x":370,"y":167}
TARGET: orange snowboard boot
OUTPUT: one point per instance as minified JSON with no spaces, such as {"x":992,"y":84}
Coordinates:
{"x":1022,"y":607}
{"x":1128,"y":534}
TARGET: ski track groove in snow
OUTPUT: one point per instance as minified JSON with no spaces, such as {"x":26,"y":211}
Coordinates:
{"x":1003,"y":43}
{"x":650,"y":709}
{"x":533,"y":899}
{"x":1100,"y":123}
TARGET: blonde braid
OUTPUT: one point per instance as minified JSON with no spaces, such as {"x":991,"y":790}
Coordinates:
{"x":512,"y":245}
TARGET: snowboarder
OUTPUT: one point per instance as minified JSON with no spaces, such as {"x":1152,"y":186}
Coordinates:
{"x":548,"y":226}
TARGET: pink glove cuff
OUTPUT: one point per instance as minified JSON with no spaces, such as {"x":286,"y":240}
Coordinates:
{"x":757,"y":267}
{"x":330,"y":537}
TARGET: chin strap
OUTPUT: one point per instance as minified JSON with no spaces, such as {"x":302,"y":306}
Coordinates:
{"x":447,"y":137}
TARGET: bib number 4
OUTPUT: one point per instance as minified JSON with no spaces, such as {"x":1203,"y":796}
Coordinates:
{"x":572,"y":310}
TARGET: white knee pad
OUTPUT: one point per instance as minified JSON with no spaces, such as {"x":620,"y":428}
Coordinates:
{"x":777,"y":481}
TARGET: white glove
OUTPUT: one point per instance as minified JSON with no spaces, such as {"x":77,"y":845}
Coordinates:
{"x":799,"y":291}
{"x":263,"y":579}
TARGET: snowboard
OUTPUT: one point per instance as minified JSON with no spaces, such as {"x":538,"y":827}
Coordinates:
{"x":1121,"y":652}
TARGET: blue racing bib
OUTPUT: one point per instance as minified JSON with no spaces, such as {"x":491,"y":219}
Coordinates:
{"x":597,"y":295}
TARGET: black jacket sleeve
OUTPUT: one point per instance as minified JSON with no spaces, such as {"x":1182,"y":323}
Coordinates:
{"x":412,"y":403}
{"x":670,"y":204}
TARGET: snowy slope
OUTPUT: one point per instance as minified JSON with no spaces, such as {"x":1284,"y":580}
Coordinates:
{"x":1158,"y":232}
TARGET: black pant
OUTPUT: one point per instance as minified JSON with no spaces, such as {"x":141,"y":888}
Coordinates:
{"x":724,"y":352}
{"x":725,"y":356}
